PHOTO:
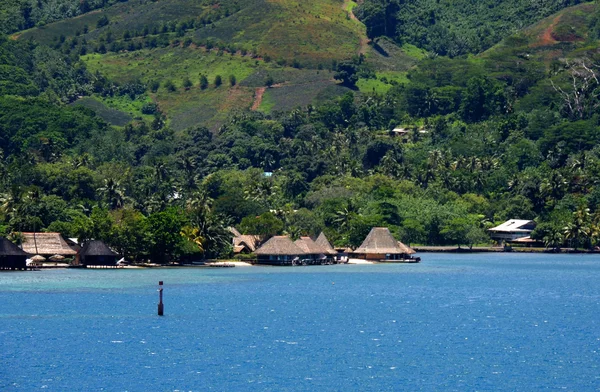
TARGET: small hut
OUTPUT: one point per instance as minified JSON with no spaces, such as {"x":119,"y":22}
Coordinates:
{"x":380,"y":245}
{"x":279,"y":250}
{"x":47,"y":244}
{"x":324,"y":243}
{"x":243,"y":243}
{"x":11,"y":256}
{"x":314,"y":253}
{"x":96,"y":253}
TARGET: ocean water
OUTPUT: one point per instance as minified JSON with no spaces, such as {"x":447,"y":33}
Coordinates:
{"x":487,"y":322}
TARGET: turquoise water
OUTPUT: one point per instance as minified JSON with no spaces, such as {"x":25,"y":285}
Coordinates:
{"x":454,"y":323}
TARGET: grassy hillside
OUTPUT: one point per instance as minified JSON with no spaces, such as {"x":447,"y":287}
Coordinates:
{"x":569,"y":33}
{"x":211,"y":106}
{"x":454,"y":27}
{"x":309,"y":32}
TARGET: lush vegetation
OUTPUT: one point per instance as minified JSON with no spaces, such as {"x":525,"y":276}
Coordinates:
{"x":165,"y":151}
{"x":453,"y":28}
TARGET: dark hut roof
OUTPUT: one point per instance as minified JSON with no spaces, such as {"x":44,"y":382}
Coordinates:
{"x":7,"y":248}
{"x":279,"y":246}
{"x":324,"y":243}
{"x":46,"y":244}
{"x":96,"y":248}
{"x":380,"y":241}
{"x":309,"y":246}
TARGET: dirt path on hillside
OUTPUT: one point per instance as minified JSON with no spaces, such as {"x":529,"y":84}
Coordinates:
{"x":363,"y":44}
{"x":258,"y":97}
{"x":546,"y":38}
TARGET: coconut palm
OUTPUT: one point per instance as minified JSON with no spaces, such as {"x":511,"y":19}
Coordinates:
{"x":113,"y":193}
{"x":579,"y":228}
{"x":193,"y":235}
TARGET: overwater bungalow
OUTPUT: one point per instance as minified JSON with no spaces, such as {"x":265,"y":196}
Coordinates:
{"x":47,"y":245}
{"x":279,"y":250}
{"x":324,"y":243}
{"x":314,"y":254}
{"x":96,"y":253}
{"x":380,"y":245}
{"x":11,"y":256}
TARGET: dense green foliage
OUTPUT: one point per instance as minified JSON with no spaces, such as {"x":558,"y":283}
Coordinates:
{"x":509,"y":134}
{"x":18,"y":15}
{"x":453,"y":27}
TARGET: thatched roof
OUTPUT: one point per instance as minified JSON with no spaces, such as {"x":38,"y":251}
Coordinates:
{"x":96,"y":248}
{"x":279,"y":246}
{"x":309,"y":246}
{"x":324,"y":243}
{"x":234,"y":231}
{"x":380,"y":241}
{"x":250,"y":241}
{"x":7,"y":248}
{"x":406,"y":249}
{"x":46,"y":244}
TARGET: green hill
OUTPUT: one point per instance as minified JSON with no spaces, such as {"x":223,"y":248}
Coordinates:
{"x":310,"y":32}
{"x":453,"y":27}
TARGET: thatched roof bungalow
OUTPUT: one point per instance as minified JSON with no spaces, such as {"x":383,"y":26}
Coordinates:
{"x":46,"y":244}
{"x":324,"y":243}
{"x":245,"y":243}
{"x":380,"y":245}
{"x":279,"y":250}
{"x":96,"y":253}
{"x":11,"y":256}
{"x":311,"y":249}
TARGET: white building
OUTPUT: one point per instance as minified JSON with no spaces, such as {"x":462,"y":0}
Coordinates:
{"x":512,"y":229}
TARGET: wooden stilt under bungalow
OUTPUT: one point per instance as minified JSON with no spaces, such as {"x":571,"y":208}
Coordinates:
{"x":97,"y":254}
{"x":380,"y":245}
{"x":11,"y":256}
{"x":279,"y":250}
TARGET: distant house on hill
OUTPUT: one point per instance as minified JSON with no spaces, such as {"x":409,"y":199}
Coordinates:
{"x":380,"y":245}
{"x":46,"y":244}
{"x":279,"y":250}
{"x":512,"y":230}
{"x":11,"y":256}
{"x":96,"y":253}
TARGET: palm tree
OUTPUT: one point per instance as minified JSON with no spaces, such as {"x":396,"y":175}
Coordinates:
{"x":554,"y":239}
{"x":193,"y":234}
{"x":113,"y":193}
{"x":579,"y":228}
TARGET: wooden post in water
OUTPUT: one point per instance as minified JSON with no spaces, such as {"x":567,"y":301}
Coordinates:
{"x":161,"y":308}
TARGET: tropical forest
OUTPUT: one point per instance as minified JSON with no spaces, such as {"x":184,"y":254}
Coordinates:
{"x":155,"y":125}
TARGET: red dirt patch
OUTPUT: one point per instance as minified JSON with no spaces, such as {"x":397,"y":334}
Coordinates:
{"x":546,"y":38}
{"x":258,"y":97}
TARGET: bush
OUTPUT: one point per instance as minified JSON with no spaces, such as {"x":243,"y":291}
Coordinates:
{"x":203,"y":82}
{"x":103,"y":21}
{"x":218,"y":80}
{"x":150,"y":108}
{"x":153,"y":85}
{"x":170,"y":86}
{"x":232,"y":80}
